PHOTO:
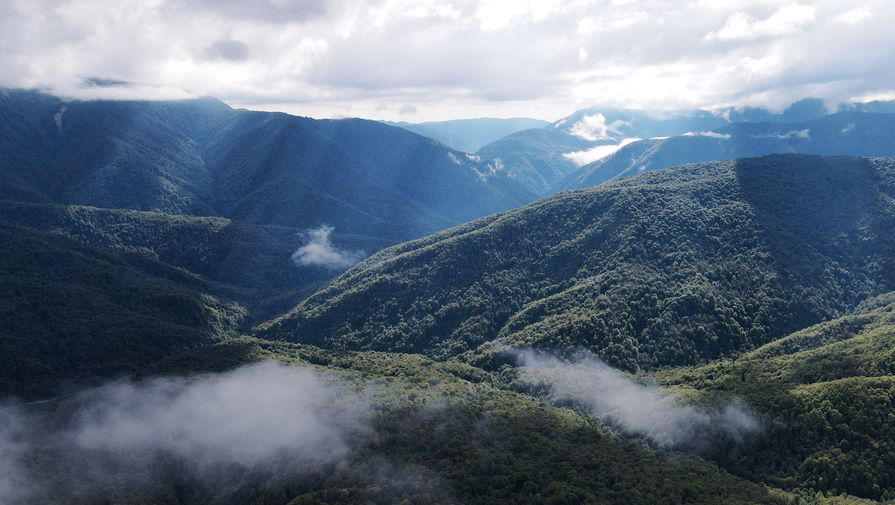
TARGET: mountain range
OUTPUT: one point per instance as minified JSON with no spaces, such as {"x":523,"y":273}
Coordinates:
{"x":564,"y":154}
{"x":844,"y":133}
{"x":717,"y":331}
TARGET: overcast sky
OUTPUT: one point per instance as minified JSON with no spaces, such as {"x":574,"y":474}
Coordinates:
{"x":428,"y":60}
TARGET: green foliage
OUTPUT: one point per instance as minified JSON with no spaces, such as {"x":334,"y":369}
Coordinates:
{"x":671,"y":268}
{"x":828,"y":396}
{"x":442,"y":433}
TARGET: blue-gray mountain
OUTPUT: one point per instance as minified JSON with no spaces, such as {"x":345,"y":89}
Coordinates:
{"x":470,"y":135}
{"x":200,"y":157}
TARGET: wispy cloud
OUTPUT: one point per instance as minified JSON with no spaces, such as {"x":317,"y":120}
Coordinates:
{"x":320,"y":252}
{"x":617,"y":399}
{"x":801,"y":134}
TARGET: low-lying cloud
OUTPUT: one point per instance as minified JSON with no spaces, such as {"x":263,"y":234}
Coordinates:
{"x":801,"y":134}
{"x":714,"y":135}
{"x":320,"y":252}
{"x":636,"y":408}
{"x":262,"y":419}
{"x":596,"y":153}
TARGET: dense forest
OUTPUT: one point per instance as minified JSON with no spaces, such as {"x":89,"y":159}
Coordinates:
{"x":71,"y":312}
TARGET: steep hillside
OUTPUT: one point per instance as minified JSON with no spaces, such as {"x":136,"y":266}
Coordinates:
{"x":845,"y":133}
{"x":74,"y":312}
{"x":361,"y":177}
{"x":672,"y":267}
{"x":470,"y":135}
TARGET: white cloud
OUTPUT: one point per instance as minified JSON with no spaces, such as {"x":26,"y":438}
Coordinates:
{"x":593,"y":127}
{"x":593,"y":154}
{"x":243,"y":417}
{"x":320,"y":252}
{"x":855,"y":16}
{"x":784,"y":21}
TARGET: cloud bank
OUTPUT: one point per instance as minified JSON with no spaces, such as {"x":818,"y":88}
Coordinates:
{"x":320,"y":252}
{"x":464,"y":58}
{"x":261,"y":419}
{"x":611,"y":395}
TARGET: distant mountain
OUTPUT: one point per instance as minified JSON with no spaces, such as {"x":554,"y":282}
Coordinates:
{"x":541,"y":160}
{"x":536,"y":158}
{"x":672,"y":267}
{"x":470,"y":135}
{"x":845,"y":133}
{"x":200,"y":157}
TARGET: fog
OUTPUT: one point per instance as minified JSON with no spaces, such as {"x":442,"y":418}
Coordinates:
{"x":266,"y":419}
{"x":636,"y":408}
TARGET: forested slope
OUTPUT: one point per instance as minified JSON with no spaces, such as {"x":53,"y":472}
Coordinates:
{"x":69,"y":312}
{"x":669,"y":268}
